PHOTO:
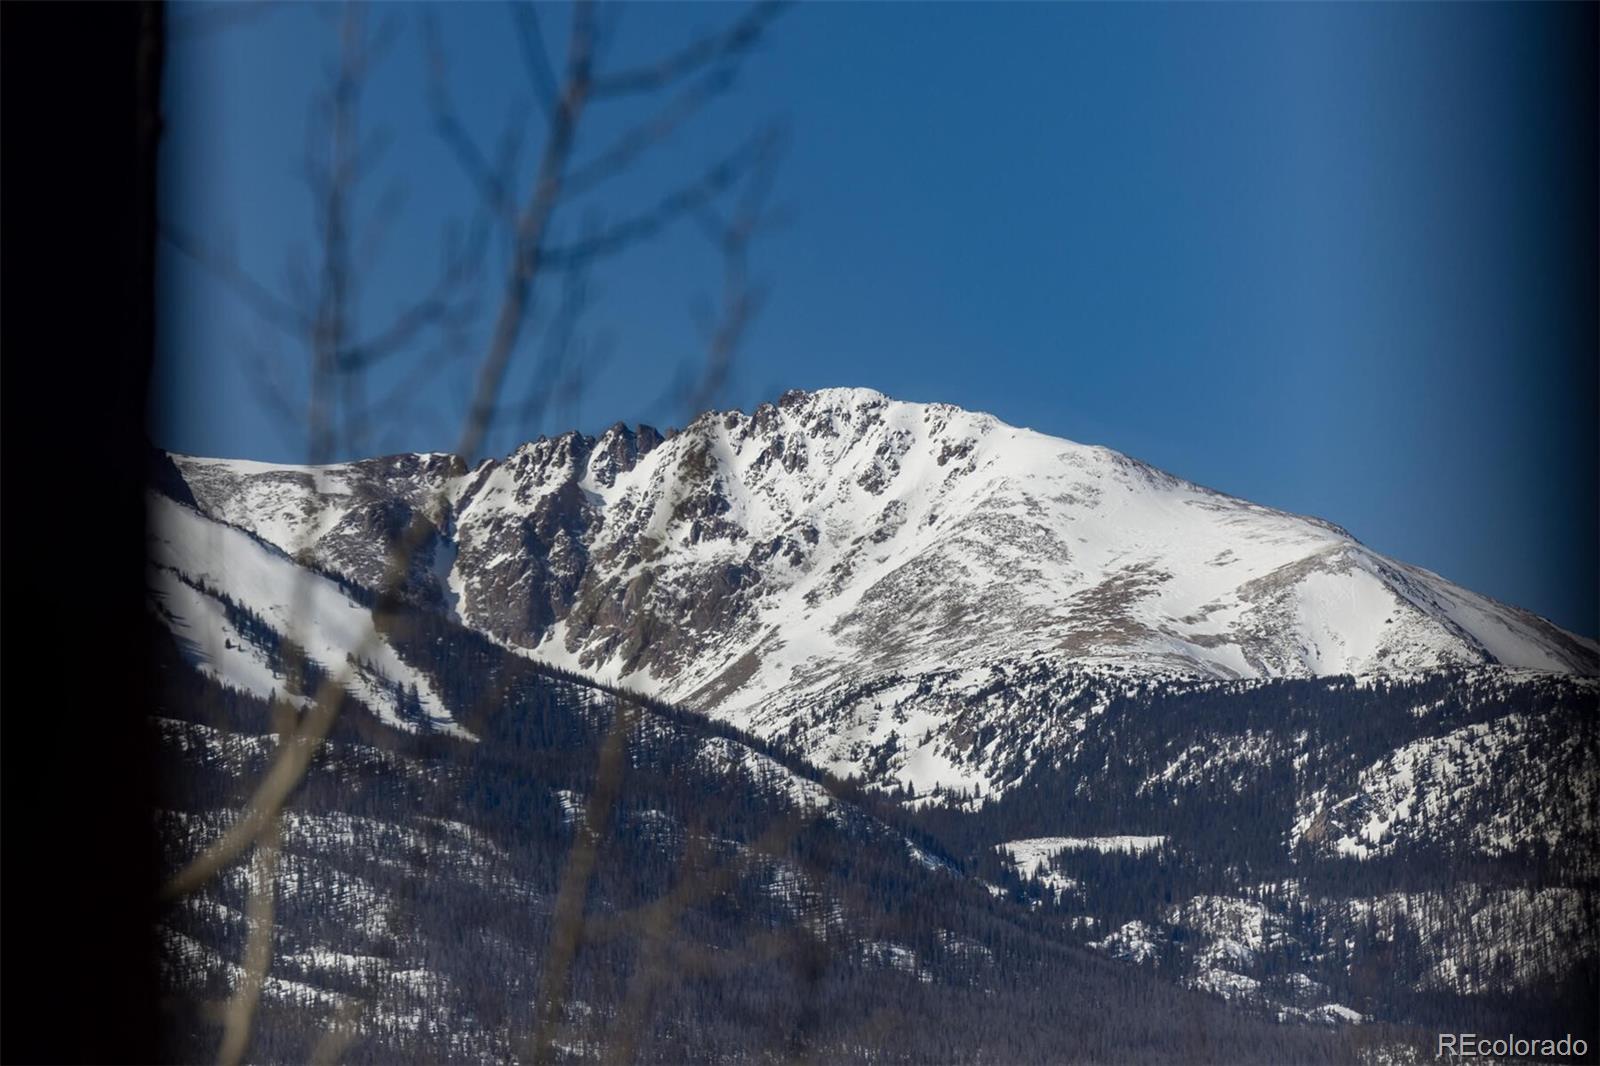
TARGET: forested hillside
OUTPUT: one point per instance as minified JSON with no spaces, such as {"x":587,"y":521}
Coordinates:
{"x":1416,"y":849}
{"x":740,"y":906}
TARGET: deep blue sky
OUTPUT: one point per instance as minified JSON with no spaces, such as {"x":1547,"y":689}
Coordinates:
{"x":1337,"y":259}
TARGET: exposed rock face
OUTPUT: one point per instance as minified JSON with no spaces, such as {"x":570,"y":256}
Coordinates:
{"x":876,"y":580}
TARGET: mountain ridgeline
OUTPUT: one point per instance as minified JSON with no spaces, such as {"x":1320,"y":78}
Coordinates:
{"x":778,"y":569}
{"x":934,"y":739}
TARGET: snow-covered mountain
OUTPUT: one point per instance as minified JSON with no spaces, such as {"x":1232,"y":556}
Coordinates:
{"x":874,"y":581}
{"x":1135,"y":672}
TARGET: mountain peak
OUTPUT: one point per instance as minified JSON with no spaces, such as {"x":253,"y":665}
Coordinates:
{"x":842,"y":552}
{"x":836,"y":396}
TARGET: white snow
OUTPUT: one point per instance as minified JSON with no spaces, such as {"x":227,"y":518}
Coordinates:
{"x":724,"y":756}
{"x":1454,"y":786}
{"x":1136,"y":942}
{"x":927,"y":552}
{"x":307,"y":608}
{"x":1029,"y":854}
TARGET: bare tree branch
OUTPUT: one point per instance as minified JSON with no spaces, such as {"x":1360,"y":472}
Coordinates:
{"x":327,"y":328}
{"x":262,"y":367}
{"x":741,"y":300}
{"x":627,"y":148}
{"x":531,"y":229}
{"x":391,"y":405}
{"x":556,"y":354}
{"x":657,"y":923}
{"x":262,"y":300}
{"x":295,"y":751}
{"x":535,"y":59}
{"x":686,"y":200}
{"x":437,"y":310}
{"x":370,"y":241}
{"x":573,"y":892}
{"x":492,"y":182}
{"x":740,"y":36}
{"x":240,"y":1011}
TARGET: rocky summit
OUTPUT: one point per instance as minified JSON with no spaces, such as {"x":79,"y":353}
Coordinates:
{"x":874,"y":581}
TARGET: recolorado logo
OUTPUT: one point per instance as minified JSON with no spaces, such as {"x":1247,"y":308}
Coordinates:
{"x":1473,"y":1046}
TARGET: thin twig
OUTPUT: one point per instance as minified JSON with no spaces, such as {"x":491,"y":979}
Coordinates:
{"x":742,"y":35}
{"x":262,"y":300}
{"x":535,"y":60}
{"x":241,"y":1009}
{"x":653,"y":131}
{"x":573,"y":893}
{"x":685,"y":200}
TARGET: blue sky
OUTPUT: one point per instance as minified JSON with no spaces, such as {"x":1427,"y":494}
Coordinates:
{"x":1338,"y":259}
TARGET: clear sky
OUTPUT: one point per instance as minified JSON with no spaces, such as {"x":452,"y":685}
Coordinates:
{"x":1337,"y":259}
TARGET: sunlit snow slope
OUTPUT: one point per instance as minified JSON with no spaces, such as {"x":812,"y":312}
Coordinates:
{"x":195,"y":562}
{"x":843,"y":568}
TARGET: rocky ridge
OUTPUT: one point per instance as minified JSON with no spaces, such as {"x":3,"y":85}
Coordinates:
{"x":875,"y":581}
